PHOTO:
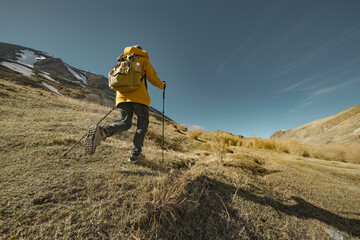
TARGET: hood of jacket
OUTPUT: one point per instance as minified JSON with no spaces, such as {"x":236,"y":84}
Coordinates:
{"x":137,"y":51}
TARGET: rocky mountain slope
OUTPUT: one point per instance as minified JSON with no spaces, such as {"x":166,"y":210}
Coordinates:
{"x":38,"y":69}
{"x":343,"y":127}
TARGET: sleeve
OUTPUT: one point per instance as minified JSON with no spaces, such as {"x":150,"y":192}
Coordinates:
{"x":151,"y":75}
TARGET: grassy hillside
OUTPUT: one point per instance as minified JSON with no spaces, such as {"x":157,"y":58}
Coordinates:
{"x":343,"y":127}
{"x":207,"y":187}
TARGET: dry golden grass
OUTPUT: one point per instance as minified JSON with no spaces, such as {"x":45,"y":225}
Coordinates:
{"x":194,"y":134}
{"x":180,"y":127}
{"x":333,"y":152}
{"x":226,"y":138}
{"x":248,"y":193}
{"x":337,"y":152}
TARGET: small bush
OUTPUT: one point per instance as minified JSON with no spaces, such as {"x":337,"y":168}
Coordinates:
{"x":195,"y":131}
{"x":194,"y":134}
{"x":180,"y":127}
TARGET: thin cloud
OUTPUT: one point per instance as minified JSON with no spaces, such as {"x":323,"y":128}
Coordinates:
{"x":296,"y":85}
{"x":316,"y":52}
{"x":327,"y":90}
{"x":220,"y":68}
{"x":310,"y":99}
{"x":333,"y":73}
{"x":245,"y":44}
{"x":295,"y":64}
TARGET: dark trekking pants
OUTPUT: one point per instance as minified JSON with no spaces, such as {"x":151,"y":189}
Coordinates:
{"x":126,"y":111}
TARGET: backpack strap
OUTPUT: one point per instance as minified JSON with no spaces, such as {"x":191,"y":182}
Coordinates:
{"x":144,"y":78}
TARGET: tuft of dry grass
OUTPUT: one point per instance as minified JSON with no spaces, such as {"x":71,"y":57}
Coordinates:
{"x":64,"y":140}
{"x":253,"y":164}
{"x":162,"y":208}
{"x":194,"y":134}
{"x":180,"y":127}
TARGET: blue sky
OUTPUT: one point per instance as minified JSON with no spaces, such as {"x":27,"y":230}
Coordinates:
{"x":247,"y":67}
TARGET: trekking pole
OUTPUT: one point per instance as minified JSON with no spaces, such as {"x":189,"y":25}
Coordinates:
{"x":85,"y":134}
{"x":163,"y":126}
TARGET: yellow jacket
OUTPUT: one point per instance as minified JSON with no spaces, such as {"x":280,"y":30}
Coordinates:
{"x":140,"y":95}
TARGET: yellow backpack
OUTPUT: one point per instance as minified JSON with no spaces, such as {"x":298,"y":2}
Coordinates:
{"x":126,"y":75}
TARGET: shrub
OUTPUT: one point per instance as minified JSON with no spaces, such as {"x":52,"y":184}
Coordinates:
{"x":180,"y":127}
{"x":195,"y":131}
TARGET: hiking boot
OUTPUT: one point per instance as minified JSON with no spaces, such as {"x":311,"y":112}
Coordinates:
{"x":136,"y":157}
{"x":93,"y":138}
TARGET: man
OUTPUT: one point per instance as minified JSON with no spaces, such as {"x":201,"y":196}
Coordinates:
{"x":137,"y":101}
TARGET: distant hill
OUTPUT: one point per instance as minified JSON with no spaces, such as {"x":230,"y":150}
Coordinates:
{"x":343,"y":127}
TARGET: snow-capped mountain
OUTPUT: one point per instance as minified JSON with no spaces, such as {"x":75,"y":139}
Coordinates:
{"x":20,"y":56}
{"x":39,"y":69}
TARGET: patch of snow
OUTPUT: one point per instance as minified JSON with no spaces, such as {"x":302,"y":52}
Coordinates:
{"x":51,"y":88}
{"x":45,"y":75}
{"x":77,"y":75}
{"x":46,"y":54}
{"x":27,"y":58}
{"x":18,"y":68}
{"x":356,"y":131}
{"x":40,"y":58}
